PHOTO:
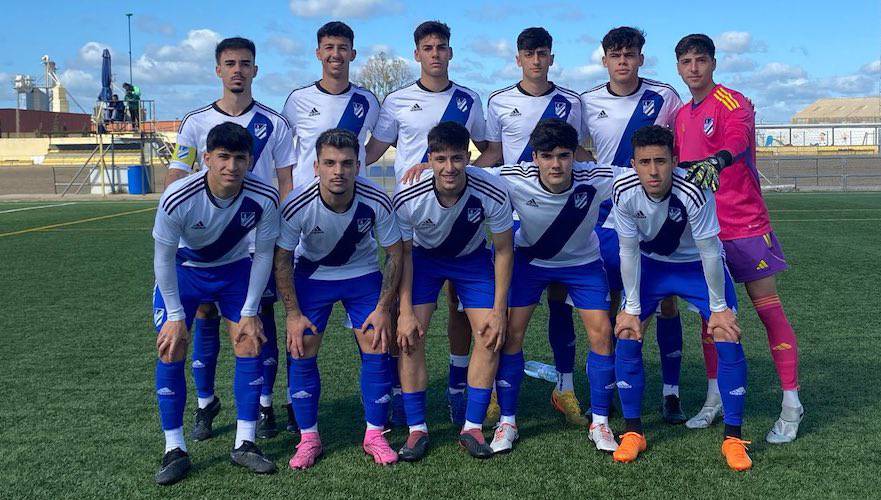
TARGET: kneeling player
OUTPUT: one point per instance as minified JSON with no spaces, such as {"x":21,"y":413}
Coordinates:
{"x":201,"y":255}
{"x":330,"y":224}
{"x":442,"y":220}
{"x":558,"y":203}
{"x":673,"y":225}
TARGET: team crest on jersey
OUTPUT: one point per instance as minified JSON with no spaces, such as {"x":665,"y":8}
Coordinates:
{"x":708,"y":126}
{"x":560,"y":109}
{"x":182,"y":152}
{"x":648,"y":107}
{"x":260,"y":130}
{"x":675,"y":214}
{"x":358,"y":109}
{"x":474,"y":214}
{"x":247,"y":219}
{"x":462,"y":104}
{"x":580,"y":200}
{"x":364,"y":224}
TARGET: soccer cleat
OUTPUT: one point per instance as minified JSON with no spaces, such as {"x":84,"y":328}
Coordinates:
{"x":266,"y":427}
{"x":475,"y":444}
{"x":292,"y":426}
{"x":705,"y":418}
{"x":493,"y":412}
{"x":602,"y":437}
{"x":672,"y":410}
{"x":785,"y":429}
{"x":415,"y":447}
{"x":632,"y":444}
{"x":377,"y":447}
{"x":249,"y":456}
{"x":734,"y":451}
{"x":308,"y":451}
{"x":204,"y":417}
{"x":504,"y":437}
{"x":398,"y":418}
{"x":566,"y":403}
{"x":456,"y":402}
{"x":175,"y":466}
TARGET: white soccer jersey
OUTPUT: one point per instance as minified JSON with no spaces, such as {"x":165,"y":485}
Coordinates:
{"x":556,"y":230}
{"x":311,"y":110}
{"x":409,"y":113}
{"x":512,"y":114}
{"x":666,"y":228}
{"x":273,"y":146}
{"x":334,"y":246}
{"x":211,"y":232}
{"x":458,"y":230}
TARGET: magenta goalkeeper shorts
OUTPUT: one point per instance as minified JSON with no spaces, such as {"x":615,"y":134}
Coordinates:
{"x":751,"y":259}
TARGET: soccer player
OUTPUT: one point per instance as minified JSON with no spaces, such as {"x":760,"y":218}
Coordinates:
{"x":715,"y":137}
{"x":332,"y":102}
{"x":558,"y":202}
{"x":406,"y":117}
{"x":202,"y":255}
{"x":612,"y":112}
{"x":668,"y":235}
{"x":331,"y":226}
{"x":442,"y":219}
{"x":271,"y":158}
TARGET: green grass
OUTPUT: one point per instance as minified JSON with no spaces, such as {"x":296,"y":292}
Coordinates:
{"x":78,"y":416}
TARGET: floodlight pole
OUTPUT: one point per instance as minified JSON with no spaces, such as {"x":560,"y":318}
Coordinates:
{"x":130,"y":80}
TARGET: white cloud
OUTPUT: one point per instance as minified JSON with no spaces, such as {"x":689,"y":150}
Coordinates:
{"x":738,"y":42}
{"x":344,"y":8}
{"x":736,"y":63}
{"x":198,"y":45}
{"x":91,"y":54}
{"x":189,"y":62}
{"x":501,"y":48}
{"x":150,"y":24}
{"x":872,"y":68}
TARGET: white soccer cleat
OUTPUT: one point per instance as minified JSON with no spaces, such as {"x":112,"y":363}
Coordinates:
{"x":602,"y":437}
{"x":705,"y":418}
{"x":504,"y":437}
{"x":785,"y":429}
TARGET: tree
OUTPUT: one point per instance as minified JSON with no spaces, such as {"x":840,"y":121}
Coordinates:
{"x":382,"y":74}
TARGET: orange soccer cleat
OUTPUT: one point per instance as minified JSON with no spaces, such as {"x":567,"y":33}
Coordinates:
{"x":734,"y":451}
{"x":632,"y":444}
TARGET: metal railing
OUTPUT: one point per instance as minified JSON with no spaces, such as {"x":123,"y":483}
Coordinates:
{"x":834,"y":173}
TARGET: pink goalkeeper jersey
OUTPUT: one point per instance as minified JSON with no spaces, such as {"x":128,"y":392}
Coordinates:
{"x":725,"y":120}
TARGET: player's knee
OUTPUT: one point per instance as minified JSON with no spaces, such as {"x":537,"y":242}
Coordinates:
{"x":249,"y":347}
{"x":207,"y":311}
{"x":601,"y":339}
{"x":720,"y":335}
{"x":515,"y":337}
{"x":175,"y":354}
{"x":669,"y":307}
{"x":628,"y":335}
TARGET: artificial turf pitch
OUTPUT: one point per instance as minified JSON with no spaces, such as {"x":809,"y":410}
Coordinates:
{"x":78,"y":416}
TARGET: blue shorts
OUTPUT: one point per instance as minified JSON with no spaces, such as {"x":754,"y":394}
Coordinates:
{"x":226,"y":285}
{"x":586,"y":283}
{"x":473,"y":275}
{"x":317,"y":297}
{"x":611,"y":259}
{"x":683,"y":279}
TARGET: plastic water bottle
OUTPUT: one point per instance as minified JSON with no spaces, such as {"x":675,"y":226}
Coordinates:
{"x":543,"y":371}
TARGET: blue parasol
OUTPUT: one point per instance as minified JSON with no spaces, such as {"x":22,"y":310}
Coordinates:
{"x":106,"y":91}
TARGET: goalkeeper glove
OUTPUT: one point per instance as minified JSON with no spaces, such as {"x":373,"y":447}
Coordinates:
{"x":705,"y":173}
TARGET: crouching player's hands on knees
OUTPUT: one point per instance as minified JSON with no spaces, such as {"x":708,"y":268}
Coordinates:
{"x":172,"y":337}
{"x":628,"y":326}
{"x":409,"y":330}
{"x":723,"y":326}
{"x":380,"y":321}
{"x":494,"y":329}
{"x":296,"y":325}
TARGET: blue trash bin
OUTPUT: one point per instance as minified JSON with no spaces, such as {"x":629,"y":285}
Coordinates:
{"x":137,"y":180}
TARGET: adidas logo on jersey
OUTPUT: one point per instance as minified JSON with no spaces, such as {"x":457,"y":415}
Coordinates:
{"x":314,"y":112}
{"x":516,"y":112}
{"x":602,"y":114}
{"x":532,"y":203}
{"x":640,"y":215}
{"x":762,"y":265}
{"x":426,"y":223}
{"x":416,"y":107}
{"x":198,"y":225}
{"x":316,"y":230}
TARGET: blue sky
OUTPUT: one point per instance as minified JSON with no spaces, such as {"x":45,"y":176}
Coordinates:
{"x":783,"y":55}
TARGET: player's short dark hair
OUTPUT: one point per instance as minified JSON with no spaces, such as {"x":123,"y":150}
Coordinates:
{"x":534,"y":38}
{"x":696,"y":42}
{"x":448,"y":136}
{"x":231,"y":137}
{"x":429,"y":28}
{"x":652,"y":135}
{"x":623,"y":37}
{"x":234,"y":43}
{"x":336,"y":28}
{"x":338,"y":138}
{"x":552,"y":133}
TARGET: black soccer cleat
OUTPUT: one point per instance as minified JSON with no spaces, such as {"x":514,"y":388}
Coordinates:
{"x":292,"y":425}
{"x":266,"y":427}
{"x":176,"y":464}
{"x":415,"y":447}
{"x":672,"y":410}
{"x":475,"y":444}
{"x":249,"y":456}
{"x":204,"y":417}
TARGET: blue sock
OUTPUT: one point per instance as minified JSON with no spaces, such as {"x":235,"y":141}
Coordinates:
{"x":247,"y":382}
{"x":732,"y":381}
{"x":458,"y":372}
{"x":206,"y":347}
{"x":414,"y":407}
{"x":171,"y":393}
{"x":601,"y":375}
{"x":305,"y":389}
{"x":393,"y":371}
{"x":509,"y":377}
{"x":269,"y":350}
{"x":478,"y":402}
{"x":670,"y":347}
{"x":375,"y":388}
{"x":561,"y":335}
{"x":630,"y":376}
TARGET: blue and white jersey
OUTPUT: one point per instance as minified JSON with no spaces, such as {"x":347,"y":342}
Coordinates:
{"x":512,"y":114}
{"x":666,"y":228}
{"x":409,"y":113}
{"x":458,"y":230}
{"x":273,"y":146}
{"x":311,"y":110}
{"x":210,"y":232}
{"x":611,"y":120}
{"x":336,"y":246}
{"x":556,"y":229}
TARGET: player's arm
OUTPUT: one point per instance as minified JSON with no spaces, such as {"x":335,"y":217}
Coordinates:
{"x":503,"y":263}
{"x":250,"y":326}
{"x":491,"y":156}
{"x":375,"y":149}
{"x":384,"y":133}
{"x":185,"y":153}
{"x":628,"y":238}
{"x":285,"y":178}
{"x":388,"y":235}
{"x":173,"y":335}
{"x":408,"y":326}
{"x":283,"y":263}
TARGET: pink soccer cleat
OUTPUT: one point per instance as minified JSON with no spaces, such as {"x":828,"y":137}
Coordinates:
{"x":376,"y":446}
{"x":308,"y":451}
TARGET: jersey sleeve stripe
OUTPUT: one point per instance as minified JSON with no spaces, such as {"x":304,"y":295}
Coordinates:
{"x":520,"y":174}
{"x":378,"y":200}
{"x":191,"y":113}
{"x":497,"y":92}
{"x":598,"y":87}
{"x":569,"y":92}
{"x":486,"y":185}
{"x":302,"y":196}
{"x":371,"y":187}
{"x":622,"y":187}
{"x":729,"y":103}
{"x":259,"y":183}
{"x":409,"y":189}
{"x":305,"y":193}
{"x":405,"y":196}
{"x":271,"y":198}
{"x":292,"y":210}
{"x":689,"y":196}
{"x":274,"y":112}
{"x":382,"y":198}
{"x":267,"y":190}
{"x":692,"y":191}
{"x":193,"y":192}
{"x":489,"y":194}
{"x":197,"y":184}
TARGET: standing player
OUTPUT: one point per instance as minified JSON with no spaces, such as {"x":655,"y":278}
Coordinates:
{"x":407,"y":115}
{"x":612,"y":113}
{"x":715,"y":136}
{"x":201,"y":255}
{"x":329,"y":225}
{"x":442,"y":219}
{"x":668,"y":234}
